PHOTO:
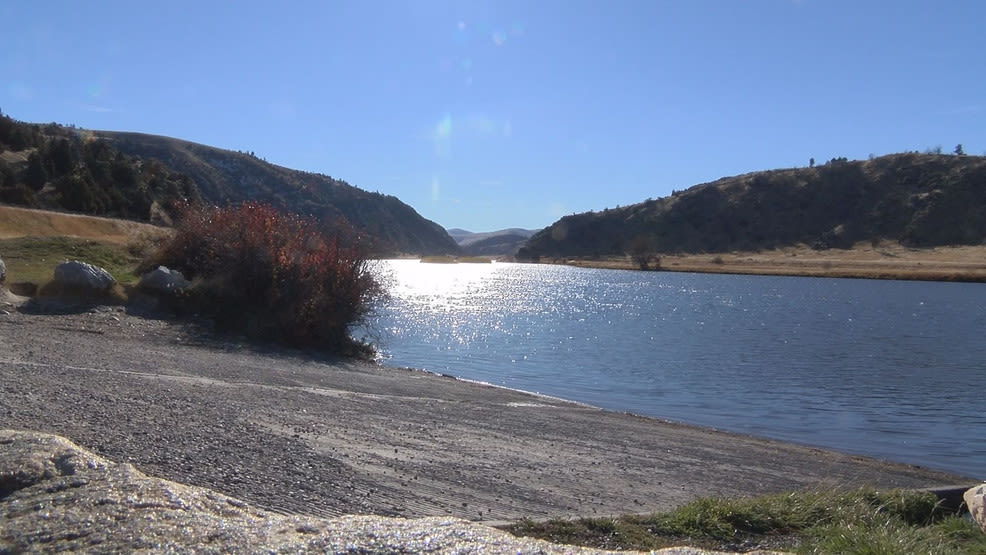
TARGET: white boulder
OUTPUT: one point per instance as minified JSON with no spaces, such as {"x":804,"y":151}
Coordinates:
{"x":81,"y":274}
{"x":163,"y":280}
{"x":975,"y":499}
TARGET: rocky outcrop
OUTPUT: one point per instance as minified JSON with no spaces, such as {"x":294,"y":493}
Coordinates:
{"x":82,"y":275}
{"x":56,"y":496}
{"x":163,"y":280}
{"x":975,"y":500}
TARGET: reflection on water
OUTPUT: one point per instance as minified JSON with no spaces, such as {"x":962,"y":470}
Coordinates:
{"x":882,"y":368}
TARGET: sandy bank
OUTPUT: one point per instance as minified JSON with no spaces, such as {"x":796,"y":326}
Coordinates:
{"x":292,"y":434}
{"x":886,"y":260}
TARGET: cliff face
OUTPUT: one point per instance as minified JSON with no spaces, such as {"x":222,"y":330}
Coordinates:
{"x":917,"y":199}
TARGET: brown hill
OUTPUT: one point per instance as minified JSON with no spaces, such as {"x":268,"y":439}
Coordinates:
{"x":225,"y":176}
{"x":914,"y":199}
{"x":139,"y":177}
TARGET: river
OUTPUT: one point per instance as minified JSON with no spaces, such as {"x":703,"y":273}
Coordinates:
{"x":889,"y":369}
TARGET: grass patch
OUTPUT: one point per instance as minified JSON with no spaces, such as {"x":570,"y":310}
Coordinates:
{"x":438,"y":259}
{"x":449,"y":259}
{"x":33,"y":259}
{"x":857,"y":521}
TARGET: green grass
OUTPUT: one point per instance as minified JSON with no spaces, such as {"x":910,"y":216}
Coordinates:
{"x":33,"y":259}
{"x":858,"y":521}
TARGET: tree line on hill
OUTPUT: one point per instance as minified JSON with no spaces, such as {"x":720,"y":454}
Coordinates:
{"x":144,"y":177}
{"x":920,"y":200}
{"x":56,"y":167}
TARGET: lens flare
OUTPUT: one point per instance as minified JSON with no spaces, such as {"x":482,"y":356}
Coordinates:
{"x":436,"y":189}
{"x":442,"y":136}
{"x":444,"y":127}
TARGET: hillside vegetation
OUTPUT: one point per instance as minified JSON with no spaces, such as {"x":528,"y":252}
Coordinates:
{"x":227,"y":177}
{"x":141,"y":177}
{"x":916,"y":200}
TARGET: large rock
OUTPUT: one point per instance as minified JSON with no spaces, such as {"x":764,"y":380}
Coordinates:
{"x":975,"y":499}
{"x":56,"y":496}
{"x":163,"y":280}
{"x":74,"y":273}
{"x":3,"y":271}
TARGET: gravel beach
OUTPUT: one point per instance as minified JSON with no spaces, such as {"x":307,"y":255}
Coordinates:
{"x":296,"y":433}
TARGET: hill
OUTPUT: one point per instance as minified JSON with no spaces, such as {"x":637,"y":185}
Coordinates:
{"x":139,"y":177}
{"x":917,"y":200}
{"x":504,"y":242}
{"x":224,"y":176}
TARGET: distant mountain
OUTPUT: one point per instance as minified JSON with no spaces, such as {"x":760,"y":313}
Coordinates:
{"x":916,"y":199}
{"x":138,"y":176}
{"x":458,"y":234}
{"x":504,"y":242}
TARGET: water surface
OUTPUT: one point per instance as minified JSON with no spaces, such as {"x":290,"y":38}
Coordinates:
{"x":889,"y":369}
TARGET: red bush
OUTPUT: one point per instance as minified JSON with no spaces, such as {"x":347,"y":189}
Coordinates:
{"x":273,"y":275}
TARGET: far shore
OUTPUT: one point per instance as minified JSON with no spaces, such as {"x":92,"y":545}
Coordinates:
{"x":885,"y":260}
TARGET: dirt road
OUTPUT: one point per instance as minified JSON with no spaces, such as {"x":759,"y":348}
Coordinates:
{"x":293,"y":433}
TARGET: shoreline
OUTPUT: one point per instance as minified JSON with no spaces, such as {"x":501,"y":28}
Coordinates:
{"x":682,"y":423}
{"x":301,"y":435}
{"x":884,"y":260}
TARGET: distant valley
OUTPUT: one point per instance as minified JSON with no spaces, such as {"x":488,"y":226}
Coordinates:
{"x":505,"y":242}
{"x":911,"y":199}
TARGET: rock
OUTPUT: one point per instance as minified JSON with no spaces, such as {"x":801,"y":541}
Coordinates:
{"x":163,"y":280}
{"x":74,"y":273}
{"x":56,"y":496}
{"x":975,"y":499}
{"x":3,"y":271}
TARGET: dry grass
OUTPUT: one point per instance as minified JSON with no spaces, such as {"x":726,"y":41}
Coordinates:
{"x":885,"y":260}
{"x":449,"y":259}
{"x":25,"y":222}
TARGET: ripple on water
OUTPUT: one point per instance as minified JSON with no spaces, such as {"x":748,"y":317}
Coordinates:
{"x":882,"y":368}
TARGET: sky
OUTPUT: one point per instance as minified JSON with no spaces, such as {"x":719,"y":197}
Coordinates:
{"x":486,"y":115}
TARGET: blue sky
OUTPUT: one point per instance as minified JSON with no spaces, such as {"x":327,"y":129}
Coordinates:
{"x":487,"y":115}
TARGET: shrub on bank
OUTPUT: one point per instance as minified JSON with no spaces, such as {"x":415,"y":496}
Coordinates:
{"x":272,"y":275}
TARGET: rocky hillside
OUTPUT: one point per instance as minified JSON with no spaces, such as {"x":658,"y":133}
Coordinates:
{"x":138,"y":177}
{"x":916,"y":199}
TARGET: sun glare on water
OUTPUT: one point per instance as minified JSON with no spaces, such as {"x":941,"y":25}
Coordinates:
{"x":436,"y":286}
